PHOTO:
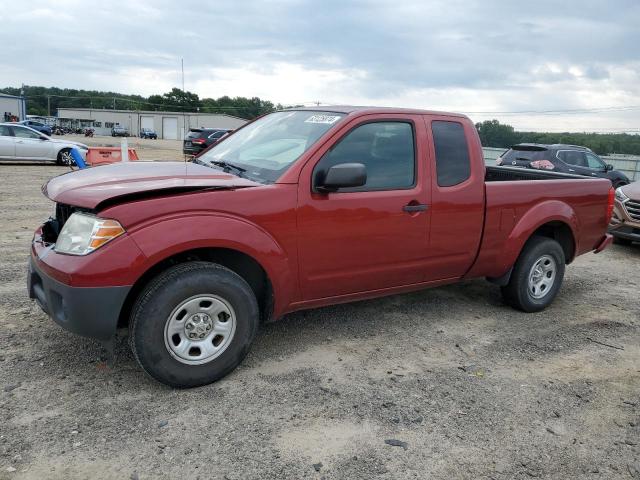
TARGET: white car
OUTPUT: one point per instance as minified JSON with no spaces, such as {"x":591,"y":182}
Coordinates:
{"x":18,"y":142}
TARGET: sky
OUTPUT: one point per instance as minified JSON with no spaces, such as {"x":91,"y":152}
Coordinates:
{"x":571,"y":65}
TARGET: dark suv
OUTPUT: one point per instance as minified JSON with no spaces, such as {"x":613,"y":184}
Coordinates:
{"x":200,"y":138}
{"x":39,"y":126}
{"x":148,"y":133}
{"x":561,"y":158}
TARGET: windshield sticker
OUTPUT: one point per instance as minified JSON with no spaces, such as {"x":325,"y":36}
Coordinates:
{"x":329,"y":119}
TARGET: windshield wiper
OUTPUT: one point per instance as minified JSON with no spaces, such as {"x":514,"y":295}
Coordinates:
{"x":226,"y":166}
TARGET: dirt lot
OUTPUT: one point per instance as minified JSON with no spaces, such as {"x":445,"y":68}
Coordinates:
{"x":475,"y":389}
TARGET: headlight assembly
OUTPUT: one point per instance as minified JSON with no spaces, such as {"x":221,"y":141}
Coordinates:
{"x":620,"y":196}
{"x":84,"y":233}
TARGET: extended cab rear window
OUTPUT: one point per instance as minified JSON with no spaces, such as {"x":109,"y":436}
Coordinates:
{"x":453,"y":165}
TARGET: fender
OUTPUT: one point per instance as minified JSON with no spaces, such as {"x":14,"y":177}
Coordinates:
{"x":533,"y":219}
{"x":170,"y":236}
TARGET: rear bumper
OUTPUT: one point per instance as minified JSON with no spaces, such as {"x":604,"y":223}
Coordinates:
{"x":88,"y":311}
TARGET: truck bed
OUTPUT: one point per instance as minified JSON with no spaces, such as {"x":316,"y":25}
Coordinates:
{"x":515,"y":197}
{"x":509,"y":174}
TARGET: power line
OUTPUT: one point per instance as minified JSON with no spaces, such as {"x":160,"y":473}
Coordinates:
{"x":560,"y":112}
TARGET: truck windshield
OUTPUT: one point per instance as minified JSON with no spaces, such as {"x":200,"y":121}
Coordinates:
{"x":268,"y":146}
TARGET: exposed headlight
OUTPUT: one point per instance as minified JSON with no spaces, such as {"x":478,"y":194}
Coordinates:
{"x":84,"y":233}
{"x":620,"y":196}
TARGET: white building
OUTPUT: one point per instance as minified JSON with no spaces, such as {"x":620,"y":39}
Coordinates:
{"x":169,"y":125}
{"x":12,"y":108}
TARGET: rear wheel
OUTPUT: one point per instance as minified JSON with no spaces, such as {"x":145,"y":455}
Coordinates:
{"x":537,"y":275}
{"x":193,"y":324}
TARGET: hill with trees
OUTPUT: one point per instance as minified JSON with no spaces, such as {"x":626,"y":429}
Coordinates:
{"x":47,"y":100}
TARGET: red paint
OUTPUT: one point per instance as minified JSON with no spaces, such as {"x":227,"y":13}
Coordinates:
{"x":320,"y":249}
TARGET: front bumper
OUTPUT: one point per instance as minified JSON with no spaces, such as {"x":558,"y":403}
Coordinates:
{"x":88,"y":311}
{"x":623,"y":225}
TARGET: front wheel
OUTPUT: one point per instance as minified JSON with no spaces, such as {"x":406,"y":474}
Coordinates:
{"x":65,"y":158}
{"x":537,"y":275}
{"x":193,"y":324}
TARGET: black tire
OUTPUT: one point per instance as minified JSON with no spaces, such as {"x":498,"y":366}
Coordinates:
{"x":161,"y":297}
{"x":60,"y":160}
{"x":517,"y":292}
{"x":621,"y":241}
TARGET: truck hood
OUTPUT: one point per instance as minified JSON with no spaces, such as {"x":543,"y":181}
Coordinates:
{"x":91,"y":187}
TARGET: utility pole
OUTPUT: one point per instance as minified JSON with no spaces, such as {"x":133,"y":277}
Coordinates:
{"x":48,"y":105}
{"x":114,"y":103}
{"x":182,"y":68}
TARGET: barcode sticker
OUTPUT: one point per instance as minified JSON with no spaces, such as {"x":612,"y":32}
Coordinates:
{"x":329,"y":119}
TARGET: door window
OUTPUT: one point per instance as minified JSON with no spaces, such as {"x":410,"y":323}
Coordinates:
{"x":25,"y":133}
{"x":572,"y":157}
{"x":452,"y":153}
{"x":5,"y":131}
{"x":386,"y":149}
{"x":594,"y":162}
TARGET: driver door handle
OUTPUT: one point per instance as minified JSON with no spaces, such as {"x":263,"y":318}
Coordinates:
{"x":415,"y":207}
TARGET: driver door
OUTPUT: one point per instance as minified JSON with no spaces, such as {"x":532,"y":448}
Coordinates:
{"x":31,"y":145}
{"x":370,"y":237}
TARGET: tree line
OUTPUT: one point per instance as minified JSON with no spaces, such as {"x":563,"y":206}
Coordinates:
{"x":495,"y":134}
{"x":46,"y":101}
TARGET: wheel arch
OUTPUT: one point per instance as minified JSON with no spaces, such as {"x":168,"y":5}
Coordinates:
{"x":237,"y":261}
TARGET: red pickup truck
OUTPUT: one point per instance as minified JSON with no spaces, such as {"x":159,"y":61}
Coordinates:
{"x":298,"y":209}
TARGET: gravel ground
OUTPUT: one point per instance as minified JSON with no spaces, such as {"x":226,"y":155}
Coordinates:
{"x":442,"y":384}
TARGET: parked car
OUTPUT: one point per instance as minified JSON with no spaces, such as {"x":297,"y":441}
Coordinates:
{"x":38,"y":126}
{"x":18,"y":142}
{"x":199,"y":139}
{"x":299,"y":209}
{"x":625,"y":223}
{"x":562,"y":158}
{"x":148,"y":133}
{"x":118,"y":131}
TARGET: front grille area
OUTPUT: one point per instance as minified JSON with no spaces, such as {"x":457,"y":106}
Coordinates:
{"x":63,"y":212}
{"x":633,"y":209}
{"x":52,"y":227}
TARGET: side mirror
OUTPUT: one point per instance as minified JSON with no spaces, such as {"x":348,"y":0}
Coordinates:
{"x":609,"y":167}
{"x":44,"y":138}
{"x":343,"y":175}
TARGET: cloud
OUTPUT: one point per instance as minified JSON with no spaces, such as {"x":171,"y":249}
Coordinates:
{"x":491,"y":55}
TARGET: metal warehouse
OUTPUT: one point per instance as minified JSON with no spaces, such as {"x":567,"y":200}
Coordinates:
{"x":12,"y":108}
{"x":168,"y":125}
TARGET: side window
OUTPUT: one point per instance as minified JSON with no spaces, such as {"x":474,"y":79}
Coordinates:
{"x":385,"y":148}
{"x":5,"y":131}
{"x":452,"y":153}
{"x":24,"y":133}
{"x":572,"y":157}
{"x":594,"y":162}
